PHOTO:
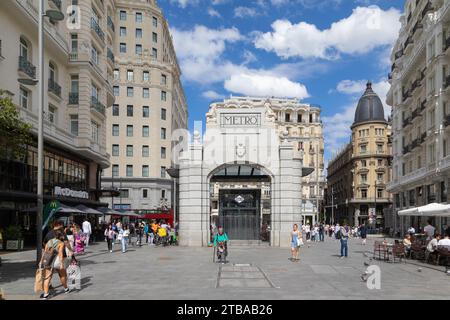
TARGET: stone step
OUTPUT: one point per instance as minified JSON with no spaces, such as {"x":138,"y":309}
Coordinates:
{"x":248,"y":243}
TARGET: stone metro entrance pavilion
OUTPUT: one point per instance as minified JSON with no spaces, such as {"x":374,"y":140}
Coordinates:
{"x":242,"y":174}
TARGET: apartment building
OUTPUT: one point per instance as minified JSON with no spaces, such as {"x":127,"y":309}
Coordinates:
{"x":359,"y":174}
{"x":78,"y":91}
{"x":419,"y":95}
{"x":149,"y":106}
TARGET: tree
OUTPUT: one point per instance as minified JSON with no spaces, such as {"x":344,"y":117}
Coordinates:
{"x":15,"y":133}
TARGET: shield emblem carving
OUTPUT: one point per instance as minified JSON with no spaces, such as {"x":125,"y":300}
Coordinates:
{"x":241,"y":150}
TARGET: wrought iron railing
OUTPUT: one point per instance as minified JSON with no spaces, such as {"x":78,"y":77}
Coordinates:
{"x":97,"y":29}
{"x":27,"y":67}
{"x":57,"y":3}
{"x":111,"y":24}
{"x":54,"y":87}
{"x":74,"y":97}
{"x":97,"y":105}
{"x":110,"y":55}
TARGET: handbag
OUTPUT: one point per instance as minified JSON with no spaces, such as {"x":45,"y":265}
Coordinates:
{"x":39,"y":280}
{"x":300,"y":242}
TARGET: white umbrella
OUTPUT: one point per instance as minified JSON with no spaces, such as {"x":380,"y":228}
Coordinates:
{"x":430,"y":210}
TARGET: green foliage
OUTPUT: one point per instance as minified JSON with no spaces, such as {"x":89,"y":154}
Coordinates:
{"x":13,"y":233}
{"x":14,"y":133}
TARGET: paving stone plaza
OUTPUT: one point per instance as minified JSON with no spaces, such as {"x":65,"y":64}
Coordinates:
{"x":261,"y":273}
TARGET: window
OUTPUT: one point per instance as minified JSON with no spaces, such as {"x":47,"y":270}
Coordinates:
{"x":138,"y":33}
{"x":74,"y":43}
{"x":115,"y":110}
{"x":23,"y":98}
{"x":129,"y":130}
{"x":310,"y":118}
{"x":123,"y":31}
{"x":23,"y":48}
{"x":364,"y":193}
{"x":145,"y":131}
{"x":363,"y":178}
{"x":155,"y":53}
{"x":145,"y":111}
{"x":145,"y":93}
{"x":123,"y":47}
{"x":74,"y":83}
{"x":138,"y":17}
{"x":123,"y":15}
{"x":129,"y":170}
{"x":145,"y":151}
{"x":299,"y":118}
{"x":163,"y":96}
{"x":130,"y":91}
{"x":146,"y":76}
{"x":139,"y":49}
{"x":163,"y":172}
{"x":380,"y":193}
{"x":116,"y":91}
{"x":52,"y":71}
{"x":130,"y":75}
{"x":124,"y":193}
{"x":144,"y":193}
{"x":145,"y":171}
{"x":115,"y":150}
{"x":163,"y":133}
{"x":379,"y":176}
{"x":115,"y":170}
{"x":163,"y":114}
{"x":163,"y":194}
{"x":155,"y":22}
{"x":94,"y":55}
{"x":51,"y":114}
{"x":163,"y":79}
{"x":380,"y":162}
{"x":363,"y":148}
{"x":74,"y":124}
{"x":116,"y":74}
{"x":287,"y":117}
{"x":432,"y":118}
{"x":155,"y":37}
{"x":129,"y":150}
{"x":95,"y":132}
{"x":129,"y":111}
{"x":163,"y":153}
{"x":115,"y":130}
{"x":379,"y":148}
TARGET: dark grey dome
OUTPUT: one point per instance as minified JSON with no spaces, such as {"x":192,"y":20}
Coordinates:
{"x":370,"y":107}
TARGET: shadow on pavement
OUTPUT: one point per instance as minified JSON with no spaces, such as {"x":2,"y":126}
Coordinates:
{"x":13,"y":271}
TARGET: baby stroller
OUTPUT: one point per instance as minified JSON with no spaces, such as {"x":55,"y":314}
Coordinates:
{"x":222,"y":252}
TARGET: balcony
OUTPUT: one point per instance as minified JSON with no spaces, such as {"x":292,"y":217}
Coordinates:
{"x":95,"y":104}
{"x":97,"y":29}
{"x":415,"y":144}
{"x":27,"y":67}
{"x":408,"y":42}
{"x":74,"y":97}
{"x":407,"y":122}
{"x":423,"y":137}
{"x":406,"y":149}
{"x":399,"y":54}
{"x":57,"y":3}
{"x":73,"y":56}
{"x":54,"y":87}
{"x":428,"y":8}
{"x":110,"y":55}
{"x":406,"y":95}
{"x":111,"y":24}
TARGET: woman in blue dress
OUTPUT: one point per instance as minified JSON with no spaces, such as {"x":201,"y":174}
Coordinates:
{"x":295,"y":238}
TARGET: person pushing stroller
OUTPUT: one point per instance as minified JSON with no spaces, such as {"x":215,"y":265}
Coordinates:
{"x":220,"y":242}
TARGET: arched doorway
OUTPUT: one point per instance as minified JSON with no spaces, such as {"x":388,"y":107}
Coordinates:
{"x":240,"y":201}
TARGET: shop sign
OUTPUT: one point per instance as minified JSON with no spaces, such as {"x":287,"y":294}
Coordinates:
{"x":66,"y":192}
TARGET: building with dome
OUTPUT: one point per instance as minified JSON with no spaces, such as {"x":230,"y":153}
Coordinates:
{"x":358,"y":175}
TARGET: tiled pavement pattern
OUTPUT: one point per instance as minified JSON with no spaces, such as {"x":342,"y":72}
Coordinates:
{"x":263,"y":273}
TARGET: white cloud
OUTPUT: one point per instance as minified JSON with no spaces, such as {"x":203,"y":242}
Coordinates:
{"x":265,"y":85}
{"x":364,"y":30}
{"x":336,"y":128}
{"x":184,"y":3}
{"x":213,"y":95}
{"x":244,"y":12}
{"x":214,"y":13}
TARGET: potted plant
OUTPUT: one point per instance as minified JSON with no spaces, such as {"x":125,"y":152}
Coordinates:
{"x":14,"y":238}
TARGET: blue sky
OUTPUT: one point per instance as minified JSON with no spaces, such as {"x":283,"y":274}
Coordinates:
{"x":320,"y":51}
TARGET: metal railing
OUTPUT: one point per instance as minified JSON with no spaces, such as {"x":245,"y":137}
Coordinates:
{"x":57,"y":3}
{"x":74,"y":97}
{"x":27,"y":67}
{"x":73,"y":56}
{"x":97,"y":29}
{"x":54,"y":87}
{"x":110,"y":55}
{"x":97,"y":105}
{"x":111,"y":24}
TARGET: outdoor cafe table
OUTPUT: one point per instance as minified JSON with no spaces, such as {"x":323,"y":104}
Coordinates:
{"x":384,"y":250}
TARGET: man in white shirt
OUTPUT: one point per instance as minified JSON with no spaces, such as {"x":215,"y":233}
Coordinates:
{"x":411,"y":230}
{"x":429,"y":230}
{"x":87,"y":231}
{"x":444,"y":242}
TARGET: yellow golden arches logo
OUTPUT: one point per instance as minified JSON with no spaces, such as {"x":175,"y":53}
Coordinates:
{"x":53,"y":205}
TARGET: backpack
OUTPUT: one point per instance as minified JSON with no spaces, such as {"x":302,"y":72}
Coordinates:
{"x":50,"y":253}
{"x":338,"y":234}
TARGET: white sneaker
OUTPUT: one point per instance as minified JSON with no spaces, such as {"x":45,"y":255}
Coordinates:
{"x":110,"y":251}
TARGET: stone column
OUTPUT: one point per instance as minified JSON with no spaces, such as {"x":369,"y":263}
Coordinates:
{"x":289,"y":187}
{"x":191,"y":231}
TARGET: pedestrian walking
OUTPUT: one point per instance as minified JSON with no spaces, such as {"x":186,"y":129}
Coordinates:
{"x":343,"y":231}
{"x":363,"y":234}
{"x":124,"y":233}
{"x":295,"y":243}
{"x":109,"y":237}
{"x":87,"y":230}
{"x":321,"y":232}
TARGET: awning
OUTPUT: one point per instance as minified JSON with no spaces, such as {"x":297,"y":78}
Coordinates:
{"x":62,"y":209}
{"x":430,"y":210}
{"x":88,"y":210}
{"x":117,"y":213}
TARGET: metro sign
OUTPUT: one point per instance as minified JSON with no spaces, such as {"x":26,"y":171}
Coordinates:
{"x":239,"y":199}
{"x":240,"y":119}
